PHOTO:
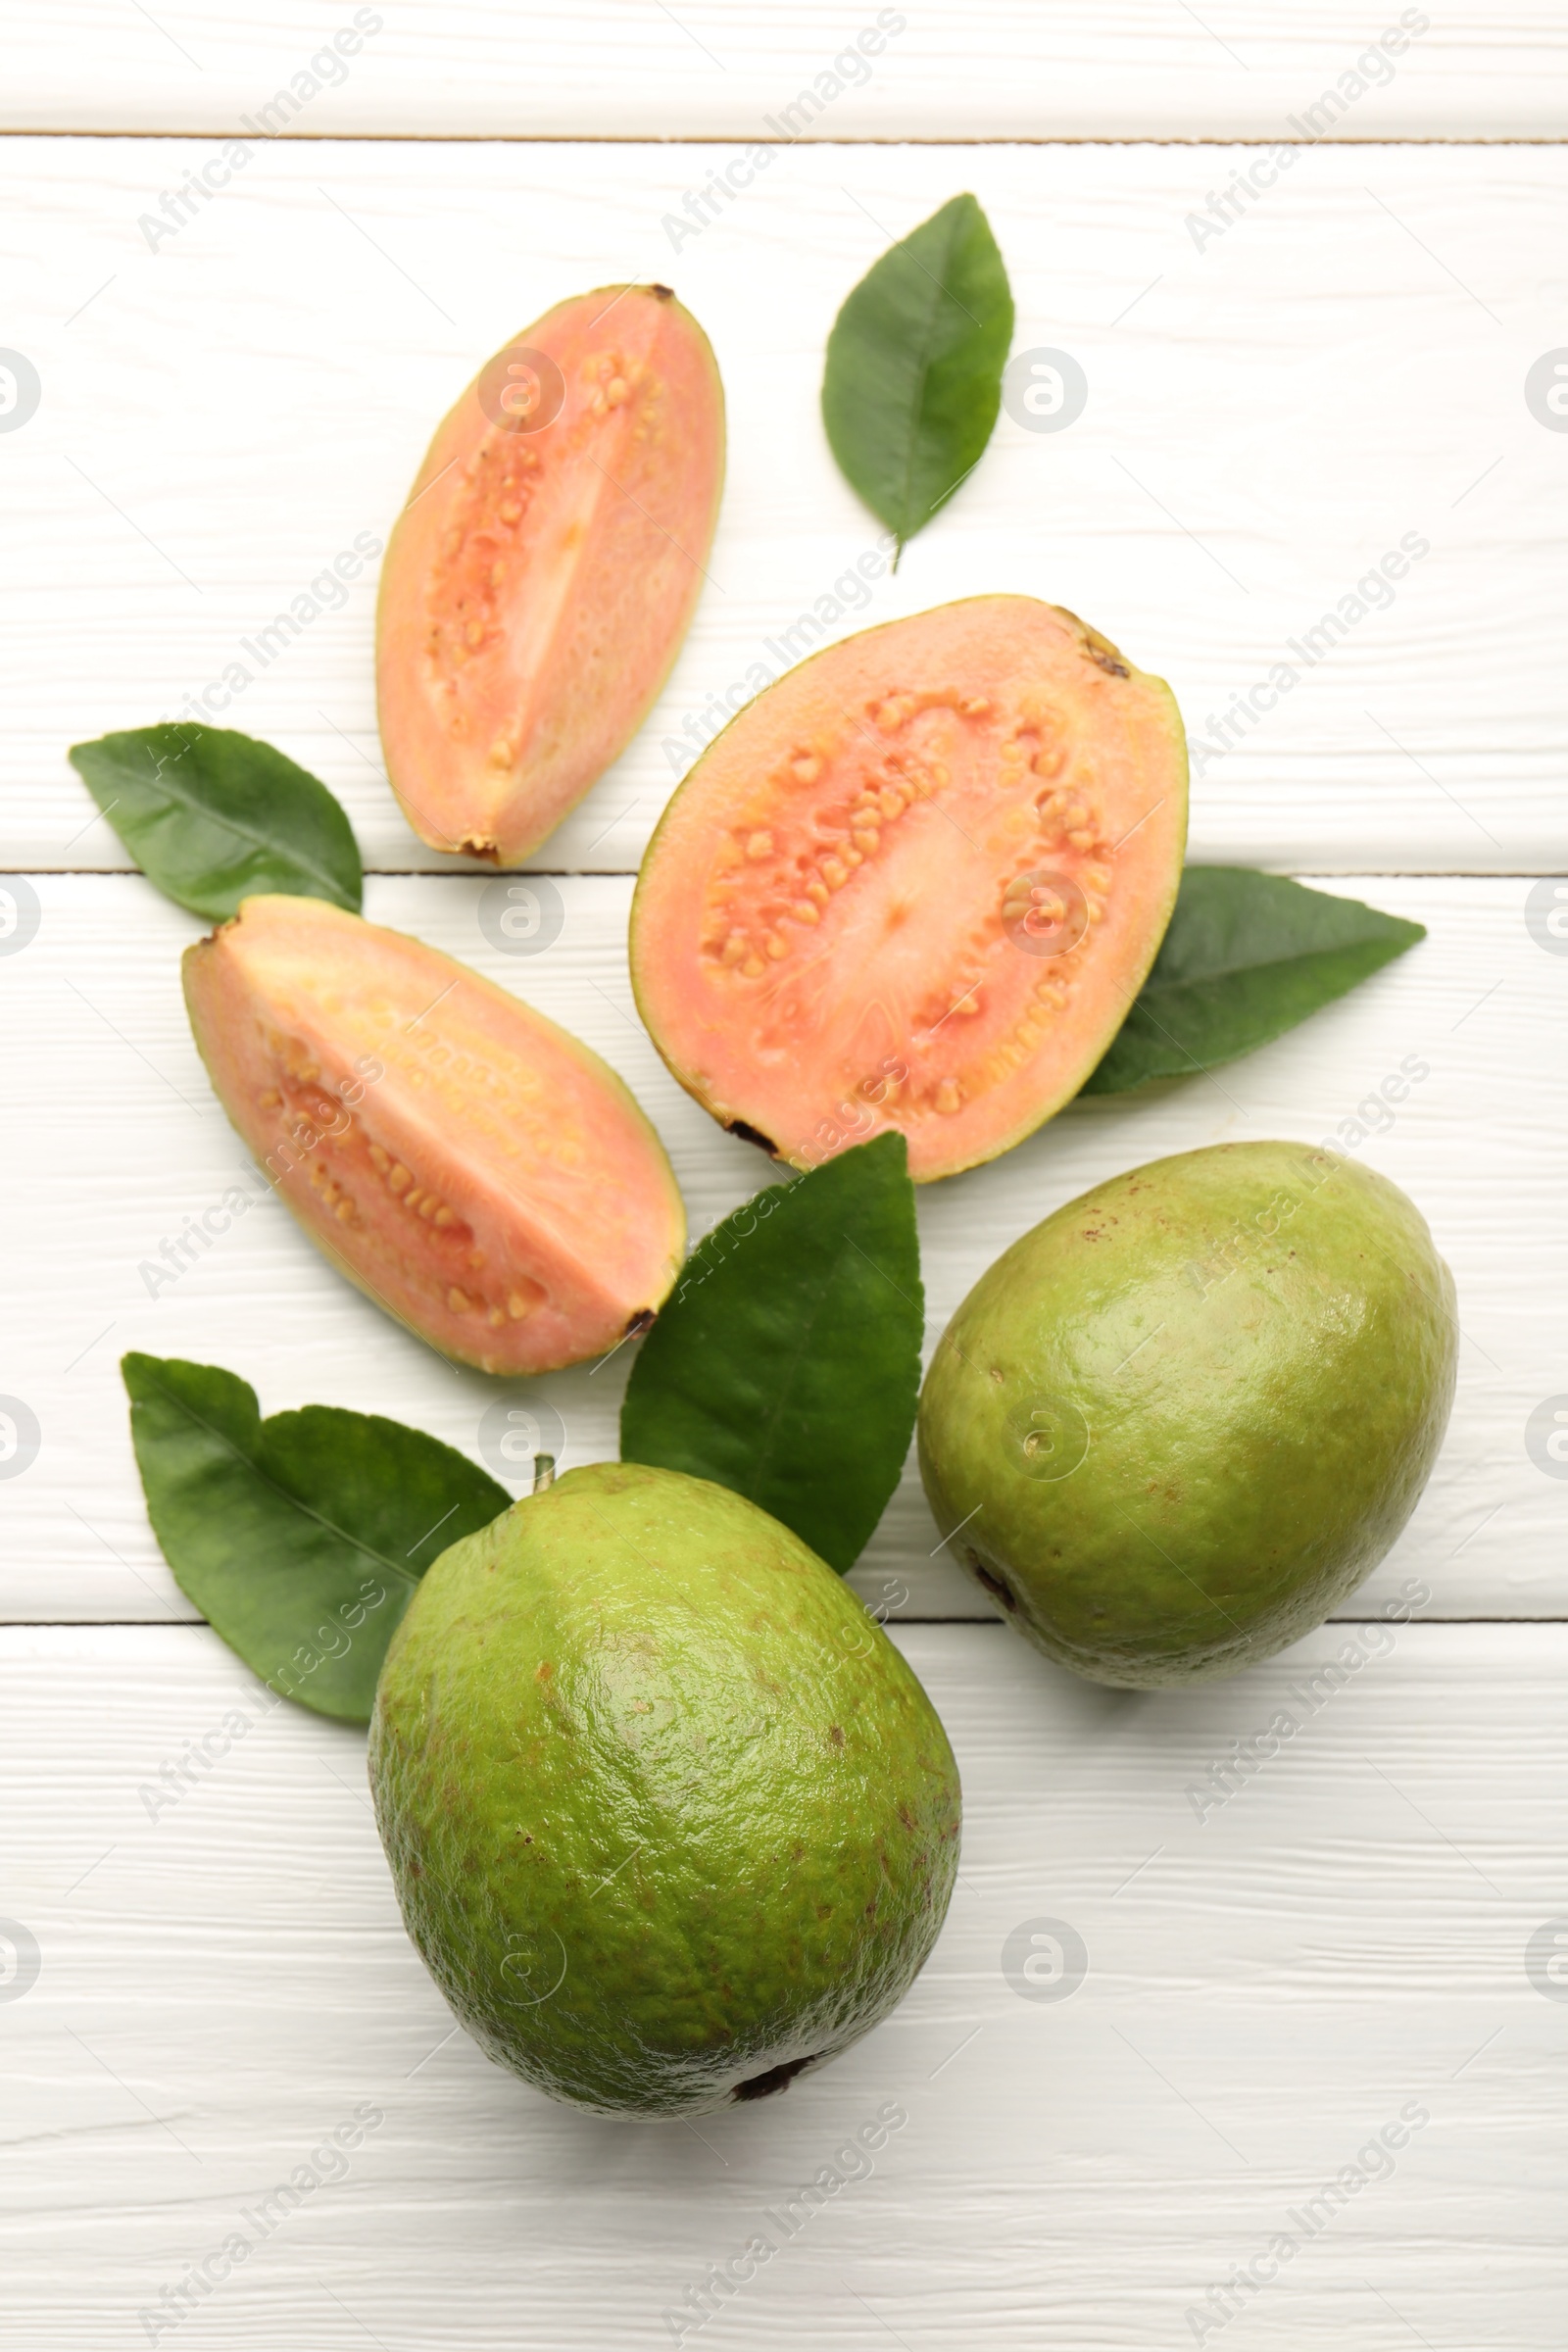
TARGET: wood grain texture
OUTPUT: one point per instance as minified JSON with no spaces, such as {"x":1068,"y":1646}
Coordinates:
{"x":224,"y":1979}
{"x":119,"y":1141}
{"x":1268,"y":416}
{"x":1136,"y":69}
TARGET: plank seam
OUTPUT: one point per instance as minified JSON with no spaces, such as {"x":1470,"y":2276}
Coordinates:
{"x":711,"y":138}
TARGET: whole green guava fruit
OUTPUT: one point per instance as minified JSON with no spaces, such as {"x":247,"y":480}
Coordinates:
{"x":1180,"y":1420}
{"x":669,"y":1818}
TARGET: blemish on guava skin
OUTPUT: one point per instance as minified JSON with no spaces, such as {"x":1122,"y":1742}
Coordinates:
{"x":836,"y":1735}
{"x":994,"y":1584}
{"x":753,"y":1135}
{"x":777,"y":2077}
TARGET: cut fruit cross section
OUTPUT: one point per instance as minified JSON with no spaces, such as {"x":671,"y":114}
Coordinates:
{"x":541,"y":576}
{"x":915,"y":884}
{"x":476,"y":1170}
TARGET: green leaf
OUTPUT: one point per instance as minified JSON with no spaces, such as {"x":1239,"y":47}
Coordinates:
{"x":214,"y":817}
{"x":787,"y":1363}
{"x":302,"y":1537}
{"x":914,"y":361}
{"x":1247,"y":957}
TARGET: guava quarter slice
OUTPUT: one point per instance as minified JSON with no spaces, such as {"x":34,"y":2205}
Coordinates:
{"x":917,"y":883}
{"x":542,"y":574}
{"x":471,"y":1167}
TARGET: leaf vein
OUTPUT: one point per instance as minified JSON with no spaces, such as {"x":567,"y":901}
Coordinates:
{"x":355,"y":1542}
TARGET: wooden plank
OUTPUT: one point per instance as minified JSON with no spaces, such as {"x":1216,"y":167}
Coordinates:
{"x":1339,"y":373}
{"x":224,"y":1980}
{"x":118,"y":1141}
{"x":1001,"y":69}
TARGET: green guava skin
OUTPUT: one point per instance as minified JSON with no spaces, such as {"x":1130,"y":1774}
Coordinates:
{"x":1183,"y":1418}
{"x":667,"y":1811}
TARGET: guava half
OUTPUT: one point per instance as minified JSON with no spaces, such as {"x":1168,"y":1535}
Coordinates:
{"x":917,"y":883}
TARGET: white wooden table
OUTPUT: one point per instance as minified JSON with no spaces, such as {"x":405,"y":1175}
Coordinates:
{"x":1363,"y":1929}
